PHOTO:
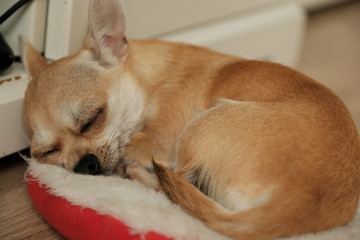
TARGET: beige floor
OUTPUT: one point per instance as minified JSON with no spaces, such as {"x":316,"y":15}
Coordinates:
{"x":331,"y":54}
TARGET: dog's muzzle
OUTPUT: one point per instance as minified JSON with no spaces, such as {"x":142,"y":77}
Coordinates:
{"x":88,"y":164}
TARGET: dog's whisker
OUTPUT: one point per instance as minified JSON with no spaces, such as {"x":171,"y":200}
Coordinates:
{"x":129,"y":129}
{"x":115,"y":137}
{"x":73,"y":115}
{"x":110,"y":142}
{"x":117,"y":149}
{"x":118,"y":126}
{"x":114,"y":132}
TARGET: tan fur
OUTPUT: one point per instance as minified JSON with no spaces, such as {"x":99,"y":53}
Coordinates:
{"x":273,"y":152}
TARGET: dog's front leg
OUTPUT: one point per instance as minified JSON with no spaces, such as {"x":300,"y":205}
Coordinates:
{"x":120,"y":170}
{"x":144,"y":148}
{"x":137,"y":171}
{"x":140,"y":152}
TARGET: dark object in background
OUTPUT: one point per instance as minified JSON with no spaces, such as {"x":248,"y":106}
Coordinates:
{"x":6,"y":55}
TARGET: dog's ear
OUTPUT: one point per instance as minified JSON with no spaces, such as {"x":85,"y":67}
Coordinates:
{"x":32,"y":60}
{"x":106,"y":32}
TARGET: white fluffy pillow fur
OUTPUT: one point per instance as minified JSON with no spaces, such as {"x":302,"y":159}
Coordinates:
{"x":143,"y":209}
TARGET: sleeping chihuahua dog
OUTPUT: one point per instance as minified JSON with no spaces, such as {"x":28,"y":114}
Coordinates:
{"x":253,"y":149}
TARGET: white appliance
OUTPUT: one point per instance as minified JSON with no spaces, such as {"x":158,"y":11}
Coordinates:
{"x":257,"y":29}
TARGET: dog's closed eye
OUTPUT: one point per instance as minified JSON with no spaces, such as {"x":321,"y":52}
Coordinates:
{"x":88,"y":124}
{"x":49,"y":152}
{"x":45,"y":152}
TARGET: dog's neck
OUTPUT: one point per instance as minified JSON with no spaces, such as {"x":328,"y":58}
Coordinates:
{"x":147,"y":63}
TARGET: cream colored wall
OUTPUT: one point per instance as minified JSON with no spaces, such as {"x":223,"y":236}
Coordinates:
{"x":166,"y":16}
{"x":316,"y":4}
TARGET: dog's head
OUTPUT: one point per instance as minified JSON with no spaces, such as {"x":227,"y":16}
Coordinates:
{"x":81,"y":110}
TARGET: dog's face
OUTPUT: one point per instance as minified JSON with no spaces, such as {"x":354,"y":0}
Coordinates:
{"x":80,"y":111}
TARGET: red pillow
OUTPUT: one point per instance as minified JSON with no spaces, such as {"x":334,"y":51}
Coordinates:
{"x":108,"y":207}
{"x":75,"y":222}
{"x":98,"y":207}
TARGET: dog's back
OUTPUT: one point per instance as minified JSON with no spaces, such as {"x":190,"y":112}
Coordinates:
{"x":281,"y":156}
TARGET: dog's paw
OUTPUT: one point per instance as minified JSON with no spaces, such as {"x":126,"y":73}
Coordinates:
{"x":119,"y":170}
{"x":137,"y":171}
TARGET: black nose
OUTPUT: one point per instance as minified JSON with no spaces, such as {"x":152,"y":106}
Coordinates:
{"x":88,"y":164}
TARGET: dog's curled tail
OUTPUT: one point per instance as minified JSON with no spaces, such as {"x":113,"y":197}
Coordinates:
{"x":237,"y":225}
